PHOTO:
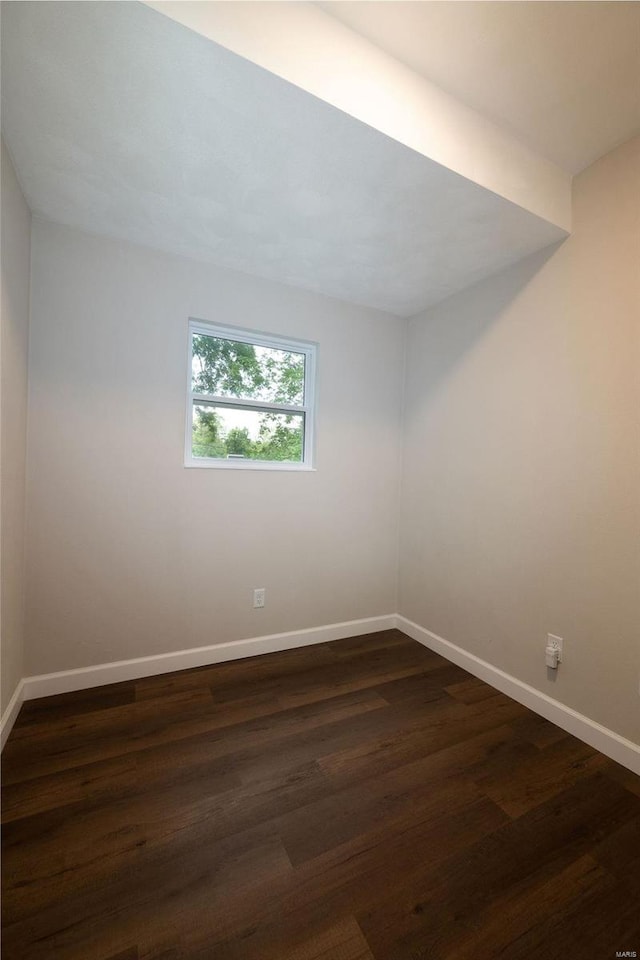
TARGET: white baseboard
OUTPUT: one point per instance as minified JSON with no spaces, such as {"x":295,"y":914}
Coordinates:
{"x":611,"y":744}
{"x":618,"y":748}
{"x":10,"y":714}
{"x":66,"y":681}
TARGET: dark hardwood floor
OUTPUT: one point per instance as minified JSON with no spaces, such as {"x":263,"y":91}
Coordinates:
{"x":357,"y":800}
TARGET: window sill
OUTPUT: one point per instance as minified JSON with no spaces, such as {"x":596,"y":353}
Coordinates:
{"x":248,"y":465}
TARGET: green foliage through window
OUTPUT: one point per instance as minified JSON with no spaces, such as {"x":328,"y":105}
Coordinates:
{"x":272,"y":436}
{"x":229,"y":368}
{"x":230,"y":372}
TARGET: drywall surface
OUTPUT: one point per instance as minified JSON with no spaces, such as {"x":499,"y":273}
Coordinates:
{"x":562,"y":77}
{"x":309,"y":48}
{"x":218,"y":159}
{"x":521,"y":478}
{"x":132,"y":554}
{"x":15,"y":247}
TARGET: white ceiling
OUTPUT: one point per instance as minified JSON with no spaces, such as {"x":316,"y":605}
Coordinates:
{"x":124,"y":123}
{"x":562,"y":76}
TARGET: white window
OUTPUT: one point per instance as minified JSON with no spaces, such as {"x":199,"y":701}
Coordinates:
{"x":250,"y":401}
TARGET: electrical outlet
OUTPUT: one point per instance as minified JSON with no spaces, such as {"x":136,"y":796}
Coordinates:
{"x":556,"y":643}
{"x":259,"y":597}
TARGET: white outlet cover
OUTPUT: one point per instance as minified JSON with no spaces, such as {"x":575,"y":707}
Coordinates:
{"x":557,"y":642}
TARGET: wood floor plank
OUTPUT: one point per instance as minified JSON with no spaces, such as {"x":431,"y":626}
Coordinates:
{"x":47,"y":855}
{"x":271,"y":742}
{"x":77,"y":702}
{"x":537,"y":730}
{"x":42,"y":748}
{"x":102,"y":779}
{"x":315,"y":939}
{"x":623,"y":776}
{"x":422,"y":687}
{"x":200,"y":716}
{"x":350,"y":877}
{"x":523,"y":909}
{"x":161,"y":900}
{"x":342,"y":941}
{"x":356,"y":800}
{"x":619,"y":851}
{"x":471,"y":690}
{"x":304,"y":681}
{"x":435,"y":727}
{"x":335,"y":945}
{"x":242,"y":674}
{"x":530,"y":849}
{"x":521,"y":783}
{"x":368,"y":642}
{"x":401,"y":795}
{"x":598,"y":923}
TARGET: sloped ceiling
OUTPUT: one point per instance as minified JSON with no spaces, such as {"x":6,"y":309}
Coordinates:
{"x":125,"y":123}
{"x":563,"y":77}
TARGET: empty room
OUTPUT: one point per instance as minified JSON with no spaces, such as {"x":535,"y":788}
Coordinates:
{"x":320,"y":480}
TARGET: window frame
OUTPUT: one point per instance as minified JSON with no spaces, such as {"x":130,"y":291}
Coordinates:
{"x":307,"y":410}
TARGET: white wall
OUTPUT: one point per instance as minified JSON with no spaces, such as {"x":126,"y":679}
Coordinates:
{"x":15,"y":246}
{"x":520,"y":509}
{"x":131,"y":554}
{"x":521,"y":490}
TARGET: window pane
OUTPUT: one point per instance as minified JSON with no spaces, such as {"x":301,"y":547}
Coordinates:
{"x":229,"y":368}
{"x":227,"y":433}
